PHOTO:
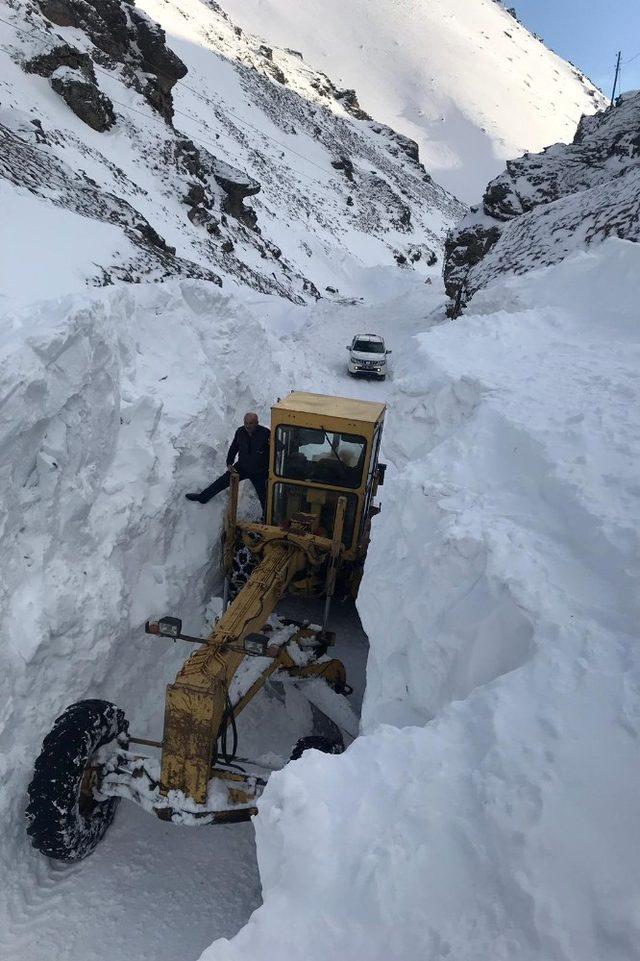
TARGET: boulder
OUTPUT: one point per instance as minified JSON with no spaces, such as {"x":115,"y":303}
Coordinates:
{"x":345,"y":164}
{"x":201,"y":217}
{"x":195,"y":195}
{"x":83,"y":97}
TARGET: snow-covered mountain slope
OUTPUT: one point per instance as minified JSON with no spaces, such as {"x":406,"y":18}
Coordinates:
{"x":489,"y":811}
{"x":546,"y":205}
{"x":270,"y":176}
{"x":462,"y":78}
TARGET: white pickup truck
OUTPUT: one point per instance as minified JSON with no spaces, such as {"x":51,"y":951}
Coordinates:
{"x":368,"y":356}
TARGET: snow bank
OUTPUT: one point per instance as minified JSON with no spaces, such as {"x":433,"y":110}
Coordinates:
{"x":112,"y":406}
{"x":501,"y":607}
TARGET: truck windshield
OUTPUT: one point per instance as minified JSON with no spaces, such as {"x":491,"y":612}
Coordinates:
{"x":290,"y":499}
{"x":320,"y":456}
{"x":368,"y":346}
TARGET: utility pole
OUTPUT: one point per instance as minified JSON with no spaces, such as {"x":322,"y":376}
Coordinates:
{"x":615,"y":79}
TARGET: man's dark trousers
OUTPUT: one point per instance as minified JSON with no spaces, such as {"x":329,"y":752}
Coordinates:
{"x":259,"y":482}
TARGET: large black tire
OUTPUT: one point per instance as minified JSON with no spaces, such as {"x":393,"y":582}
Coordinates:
{"x":243,"y":565}
{"x":328,"y":745}
{"x":64,"y":820}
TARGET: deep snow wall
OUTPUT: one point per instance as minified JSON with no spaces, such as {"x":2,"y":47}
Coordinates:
{"x":113,"y":404}
{"x":489,"y":810}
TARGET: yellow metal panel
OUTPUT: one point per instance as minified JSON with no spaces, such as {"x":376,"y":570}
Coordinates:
{"x":192,"y":719}
{"x":324,"y":405}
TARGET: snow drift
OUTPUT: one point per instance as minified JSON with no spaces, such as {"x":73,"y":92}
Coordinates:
{"x":462,"y":78}
{"x":499,"y":598}
{"x":112,"y":405}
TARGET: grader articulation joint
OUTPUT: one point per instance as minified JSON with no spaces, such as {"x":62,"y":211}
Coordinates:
{"x":323,"y":475}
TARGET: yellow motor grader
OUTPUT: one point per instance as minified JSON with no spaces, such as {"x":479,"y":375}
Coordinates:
{"x":323,"y":477}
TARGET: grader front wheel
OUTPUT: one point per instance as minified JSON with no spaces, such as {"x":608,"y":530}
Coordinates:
{"x":65,"y":821}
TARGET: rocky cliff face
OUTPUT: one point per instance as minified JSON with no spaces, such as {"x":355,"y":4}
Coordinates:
{"x":222,"y":159}
{"x":546,"y":205}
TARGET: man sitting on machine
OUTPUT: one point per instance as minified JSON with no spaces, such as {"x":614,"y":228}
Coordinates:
{"x":250,"y":445}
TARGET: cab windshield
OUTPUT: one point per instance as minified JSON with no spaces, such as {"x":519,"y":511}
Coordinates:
{"x":368,"y":346}
{"x":291,"y":499}
{"x":319,"y":456}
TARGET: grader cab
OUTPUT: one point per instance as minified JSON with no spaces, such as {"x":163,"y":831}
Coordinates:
{"x":323,"y":477}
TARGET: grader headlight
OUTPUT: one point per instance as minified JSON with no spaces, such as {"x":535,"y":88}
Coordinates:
{"x":165,"y":627}
{"x":256,"y":645}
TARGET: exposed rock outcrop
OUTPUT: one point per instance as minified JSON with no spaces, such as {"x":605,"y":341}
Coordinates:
{"x":63,"y":55}
{"x":546,"y":205}
{"x":124,"y":34}
{"x":83,"y":97}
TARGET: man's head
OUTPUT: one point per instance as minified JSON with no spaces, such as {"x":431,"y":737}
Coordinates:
{"x":250,"y":422}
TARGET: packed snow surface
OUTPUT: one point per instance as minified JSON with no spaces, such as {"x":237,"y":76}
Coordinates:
{"x":462,"y":78}
{"x":489,"y":811}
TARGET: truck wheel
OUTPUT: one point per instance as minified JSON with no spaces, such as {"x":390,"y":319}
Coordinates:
{"x":64,"y":820}
{"x":328,"y":745}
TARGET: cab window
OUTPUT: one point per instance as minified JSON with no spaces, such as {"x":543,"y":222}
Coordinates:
{"x":319,"y":456}
{"x":290,"y":499}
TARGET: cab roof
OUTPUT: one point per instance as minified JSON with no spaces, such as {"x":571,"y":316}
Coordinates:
{"x":327,"y":405}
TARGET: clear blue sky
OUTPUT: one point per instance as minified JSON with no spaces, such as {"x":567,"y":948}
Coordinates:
{"x":589,"y":33}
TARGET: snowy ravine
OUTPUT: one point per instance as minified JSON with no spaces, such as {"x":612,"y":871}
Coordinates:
{"x":114,"y":403}
{"x":489,"y":811}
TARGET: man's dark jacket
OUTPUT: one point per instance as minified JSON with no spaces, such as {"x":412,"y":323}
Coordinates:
{"x":252,"y":450}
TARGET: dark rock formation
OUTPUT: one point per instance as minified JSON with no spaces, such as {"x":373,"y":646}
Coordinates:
{"x":343,"y":163}
{"x":464,"y":249}
{"x":204,"y":218}
{"x":126,"y":35}
{"x":195,"y":196}
{"x":546,"y":205}
{"x":83,"y":97}
{"x":350,"y":102}
{"x":158,"y":58}
{"x":63,"y":55}
{"x":237,"y":186}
